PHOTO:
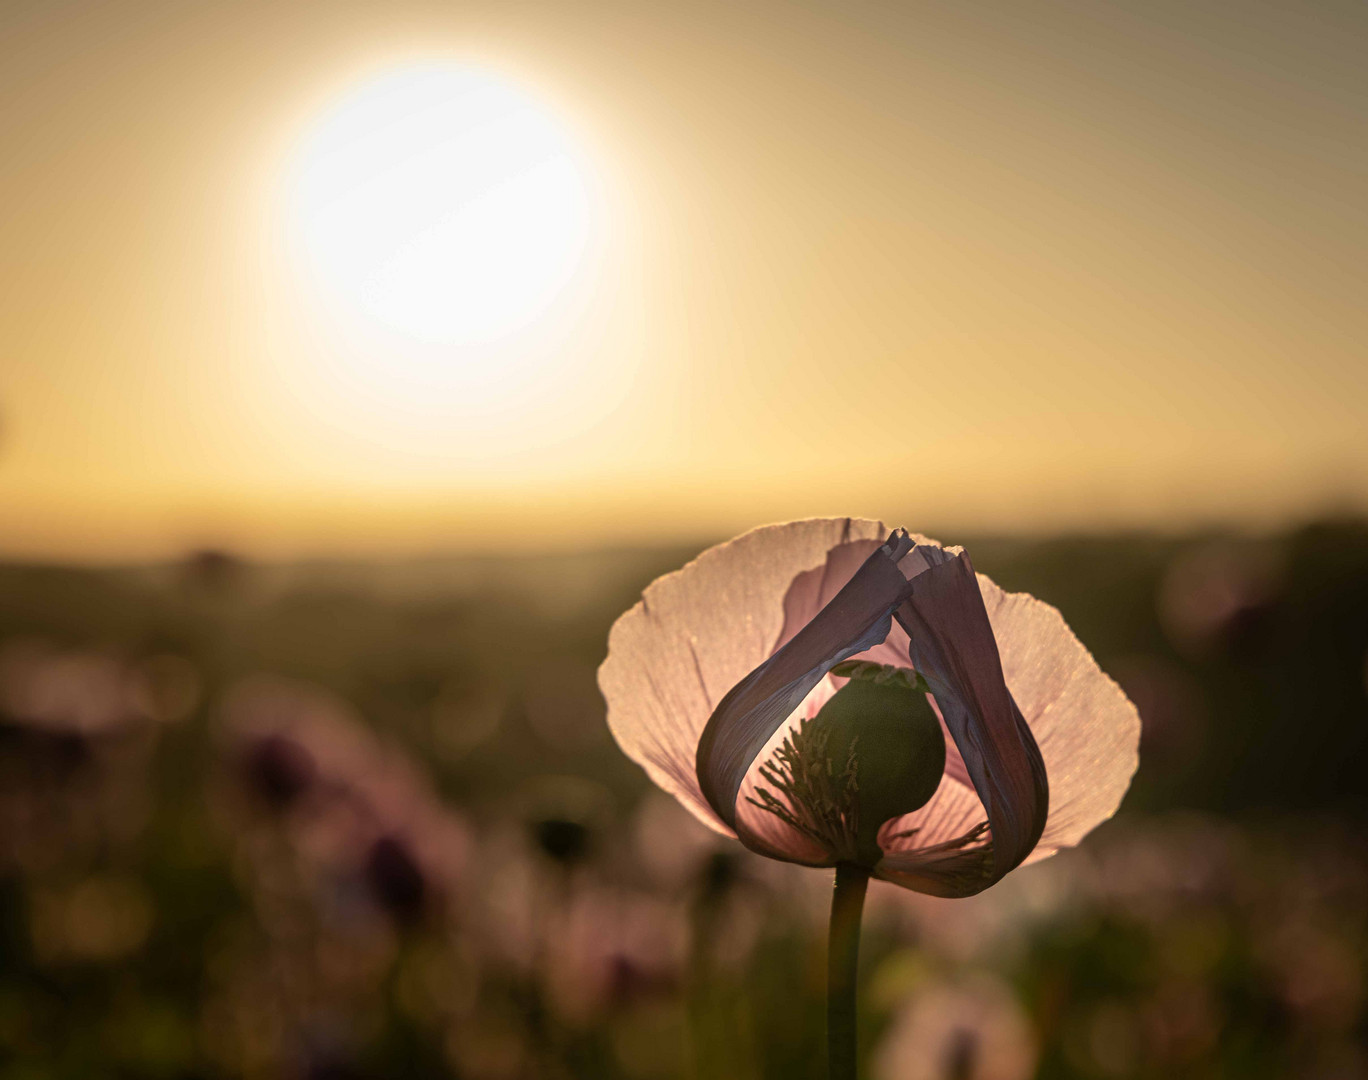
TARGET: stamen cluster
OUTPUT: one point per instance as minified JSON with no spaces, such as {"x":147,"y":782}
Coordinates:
{"x":872,"y":753}
{"x":820,"y":801}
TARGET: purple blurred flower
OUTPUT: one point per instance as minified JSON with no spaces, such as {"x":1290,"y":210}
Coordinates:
{"x":610,"y":947}
{"x":78,"y":730}
{"x":354,"y":809}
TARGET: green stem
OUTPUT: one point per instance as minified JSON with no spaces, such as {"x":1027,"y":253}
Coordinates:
{"x":843,"y":956}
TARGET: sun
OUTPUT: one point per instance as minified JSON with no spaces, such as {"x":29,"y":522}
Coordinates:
{"x":442,"y":202}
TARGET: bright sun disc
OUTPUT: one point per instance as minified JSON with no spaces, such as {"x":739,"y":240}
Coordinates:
{"x":441,"y":202}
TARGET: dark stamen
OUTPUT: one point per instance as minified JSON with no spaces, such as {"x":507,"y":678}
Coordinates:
{"x":818,"y":802}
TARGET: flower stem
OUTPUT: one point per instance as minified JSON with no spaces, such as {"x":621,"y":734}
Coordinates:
{"x":843,"y":955}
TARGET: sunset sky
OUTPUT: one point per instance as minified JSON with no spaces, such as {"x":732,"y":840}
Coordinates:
{"x":982,"y":266}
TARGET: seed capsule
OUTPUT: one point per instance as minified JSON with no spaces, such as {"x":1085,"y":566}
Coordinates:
{"x":881,"y":723}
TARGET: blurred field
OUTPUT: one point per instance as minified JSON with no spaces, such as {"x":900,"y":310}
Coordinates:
{"x":363,"y":820}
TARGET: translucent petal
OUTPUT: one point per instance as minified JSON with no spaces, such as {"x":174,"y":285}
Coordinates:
{"x":699,"y":631}
{"x":1087,"y":730}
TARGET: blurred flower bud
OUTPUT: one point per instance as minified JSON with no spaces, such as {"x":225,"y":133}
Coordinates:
{"x":278,"y":769}
{"x":563,"y":815}
{"x":393,"y":873}
{"x":564,"y":841}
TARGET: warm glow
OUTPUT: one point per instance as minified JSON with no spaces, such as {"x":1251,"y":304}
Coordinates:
{"x":412,"y":277}
{"x":441,"y":202}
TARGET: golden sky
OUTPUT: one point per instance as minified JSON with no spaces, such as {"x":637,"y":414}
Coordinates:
{"x":1007,"y":266}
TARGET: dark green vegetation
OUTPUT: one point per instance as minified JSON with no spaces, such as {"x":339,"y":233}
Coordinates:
{"x":196,"y":882}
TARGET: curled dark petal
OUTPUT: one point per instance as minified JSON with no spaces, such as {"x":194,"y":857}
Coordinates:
{"x":953,"y":647}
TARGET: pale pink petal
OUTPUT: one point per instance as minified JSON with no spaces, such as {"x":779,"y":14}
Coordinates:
{"x":696,"y":633}
{"x":764,"y":831}
{"x":813,"y":589}
{"x":953,"y":870}
{"x":767,"y":834}
{"x":952,"y":811}
{"x":1087,"y":730}
{"x":939,"y":849}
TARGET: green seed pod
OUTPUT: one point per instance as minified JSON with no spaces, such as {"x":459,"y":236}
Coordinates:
{"x":881,"y":724}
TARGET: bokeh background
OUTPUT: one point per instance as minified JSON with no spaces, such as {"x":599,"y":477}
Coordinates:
{"x":359,"y":365}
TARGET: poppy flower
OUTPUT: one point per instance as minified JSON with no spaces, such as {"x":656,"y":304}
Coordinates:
{"x":795,"y":687}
